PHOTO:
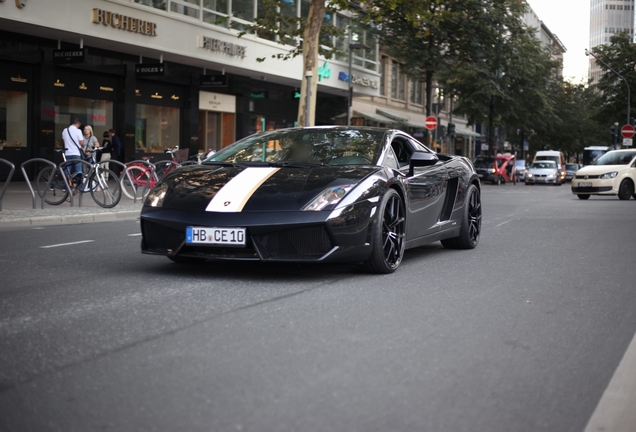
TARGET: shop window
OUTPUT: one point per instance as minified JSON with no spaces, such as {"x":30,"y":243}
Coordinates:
{"x":13,"y":119}
{"x":95,"y":112}
{"x":156,"y":128}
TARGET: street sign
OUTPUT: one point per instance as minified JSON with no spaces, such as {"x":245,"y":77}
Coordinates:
{"x":430,"y":122}
{"x":628,"y":131}
{"x":627,"y":142}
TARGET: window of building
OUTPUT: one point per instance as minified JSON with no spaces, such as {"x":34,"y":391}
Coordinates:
{"x":188,"y":8}
{"x":157,"y":4}
{"x":415,"y":92}
{"x":156,"y":128}
{"x":382,"y":70}
{"x":397,"y":81}
{"x":95,"y":112}
{"x":13,"y":118}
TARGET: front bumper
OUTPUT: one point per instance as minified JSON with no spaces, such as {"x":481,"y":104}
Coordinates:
{"x":541,"y":180}
{"x":594,"y":186}
{"x":271,"y":236}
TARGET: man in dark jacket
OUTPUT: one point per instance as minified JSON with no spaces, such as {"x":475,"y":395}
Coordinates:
{"x":116,"y":153}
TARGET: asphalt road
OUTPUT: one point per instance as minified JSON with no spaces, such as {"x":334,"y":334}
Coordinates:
{"x":523,"y":333}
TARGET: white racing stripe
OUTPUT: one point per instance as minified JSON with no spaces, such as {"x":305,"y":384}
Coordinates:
{"x":233,"y":196}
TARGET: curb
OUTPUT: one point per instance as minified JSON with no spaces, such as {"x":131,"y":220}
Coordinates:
{"x":70,"y":219}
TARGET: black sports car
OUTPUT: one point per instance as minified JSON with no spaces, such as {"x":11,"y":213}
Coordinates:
{"x":319,"y":194}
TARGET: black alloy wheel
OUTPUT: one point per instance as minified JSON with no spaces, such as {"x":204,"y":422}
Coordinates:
{"x":625,"y":190}
{"x":471,"y":223}
{"x":388,"y":235}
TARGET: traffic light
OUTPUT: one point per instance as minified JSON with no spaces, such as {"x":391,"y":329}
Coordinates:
{"x":614,"y":131}
{"x":451,"y":129}
{"x":632,"y":121}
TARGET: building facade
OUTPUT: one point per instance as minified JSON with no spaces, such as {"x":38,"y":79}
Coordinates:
{"x":608,"y":17}
{"x":162,"y":73}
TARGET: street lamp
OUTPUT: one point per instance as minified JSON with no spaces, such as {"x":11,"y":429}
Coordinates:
{"x":352,"y":46}
{"x":588,"y":53}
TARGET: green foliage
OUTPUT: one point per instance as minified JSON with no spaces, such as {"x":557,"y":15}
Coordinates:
{"x":620,"y":55}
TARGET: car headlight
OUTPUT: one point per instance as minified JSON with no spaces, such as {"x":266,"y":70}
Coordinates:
{"x":609,"y":175}
{"x":330,"y":196}
{"x":156,"y":195}
{"x":529,"y":174}
{"x":550,"y":175}
{"x":492,"y":170}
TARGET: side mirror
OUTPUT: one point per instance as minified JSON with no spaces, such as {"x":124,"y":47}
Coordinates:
{"x":421,"y":159}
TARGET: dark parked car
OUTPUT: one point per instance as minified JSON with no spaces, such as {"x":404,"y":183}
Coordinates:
{"x":570,"y":170}
{"x":320,"y":194}
{"x":485,"y":167}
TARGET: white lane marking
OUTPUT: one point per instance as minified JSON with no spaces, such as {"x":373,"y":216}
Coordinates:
{"x":615,"y":411}
{"x":503,"y":223}
{"x":66,"y":244}
{"x":233,"y":196}
{"x":134,"y":235}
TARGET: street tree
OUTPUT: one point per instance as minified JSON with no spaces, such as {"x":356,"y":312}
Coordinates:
{"x":306,"y":35}
{"x":620,"y":55}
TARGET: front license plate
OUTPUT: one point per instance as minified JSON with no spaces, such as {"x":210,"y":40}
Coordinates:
{"x":215,"y":236}
{"x":585,"y":184}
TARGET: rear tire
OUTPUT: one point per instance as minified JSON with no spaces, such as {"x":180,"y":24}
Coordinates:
{"x":583,"y":197}
{"x":388,"y":235}
{"x":57,"y":192}
{"x":470,"y":230}
{"x":625,"y":190}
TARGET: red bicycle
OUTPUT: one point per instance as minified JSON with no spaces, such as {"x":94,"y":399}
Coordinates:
{"x":505,"y":169}
{"x":139,"y":178}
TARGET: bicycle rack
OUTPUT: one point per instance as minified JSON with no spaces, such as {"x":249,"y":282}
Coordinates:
{"x":120,"y":164}
{"x":48,"y":183}
{"x":6,"y":183}
{"x":143,"y":162}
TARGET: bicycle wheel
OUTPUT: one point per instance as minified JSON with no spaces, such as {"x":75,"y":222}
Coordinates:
{"x":107,"y":193}
{"x":164,"y":167}
{"x":138,"y":179}
{"x":57,"y":192}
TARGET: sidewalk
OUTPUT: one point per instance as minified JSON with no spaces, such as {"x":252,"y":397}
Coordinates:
{"x":17,"y":209}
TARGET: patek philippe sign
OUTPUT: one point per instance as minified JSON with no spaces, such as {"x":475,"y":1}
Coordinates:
{"x":209,"y":101}
{"x":69,"y":56}
{"x":150,"y":69}
{"x":224,"y":47}
{"x":213,"y":80}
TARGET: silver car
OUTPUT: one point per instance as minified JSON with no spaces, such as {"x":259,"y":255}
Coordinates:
{"x":543,"y":171}
{"x":521,"y":169}
{"x":570,"y":170}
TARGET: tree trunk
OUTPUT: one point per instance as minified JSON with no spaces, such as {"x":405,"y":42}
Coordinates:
{"x":491,"y":126}
{"x":311,"y":38}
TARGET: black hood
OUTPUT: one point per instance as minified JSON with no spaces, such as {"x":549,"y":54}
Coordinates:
{"x":283,"y":189}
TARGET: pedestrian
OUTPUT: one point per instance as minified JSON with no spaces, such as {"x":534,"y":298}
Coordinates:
{"x":90,"y":141}
{"x":116,"y":151}
{"x":103,"y":151}
{"x":73,"y":145}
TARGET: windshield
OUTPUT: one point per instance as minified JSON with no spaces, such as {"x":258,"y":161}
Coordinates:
{"x":547,"y":158}
{"x":543,"y":165}
{"x":616,"y":158}
{"x":571,"y":167}
{"x":521,"y":164}
{"x":334,"y":146}
{"x":484,"y":162}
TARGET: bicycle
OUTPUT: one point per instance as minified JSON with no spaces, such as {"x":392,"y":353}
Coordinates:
{"x":143,"y":177}
{"x":102,"y":183}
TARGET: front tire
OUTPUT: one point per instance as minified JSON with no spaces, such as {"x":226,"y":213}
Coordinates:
{"x":471,"y":223}
{"x":583,"y":197}
{"x":57,"y":192}
{"x":388,"y":235}
{"x":625,"y":190}
{"x":107,"y":191}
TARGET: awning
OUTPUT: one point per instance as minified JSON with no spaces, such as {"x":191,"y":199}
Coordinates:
{"x":466,"y":132}
{"x":393,"y":115}
{"x":373,"y":117}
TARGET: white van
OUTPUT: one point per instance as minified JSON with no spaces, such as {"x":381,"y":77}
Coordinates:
{"x":552,"y":155}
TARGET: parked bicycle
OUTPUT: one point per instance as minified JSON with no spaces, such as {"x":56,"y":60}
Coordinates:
{"x":99,"y":181}
{"x":139,"y":178}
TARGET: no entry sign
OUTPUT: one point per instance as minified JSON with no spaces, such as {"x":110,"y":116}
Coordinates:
{"x":628,"y":131}
{"x":430,"y":122}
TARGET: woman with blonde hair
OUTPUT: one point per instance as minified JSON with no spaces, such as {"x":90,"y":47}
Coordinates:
{"x":90,"y":140}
